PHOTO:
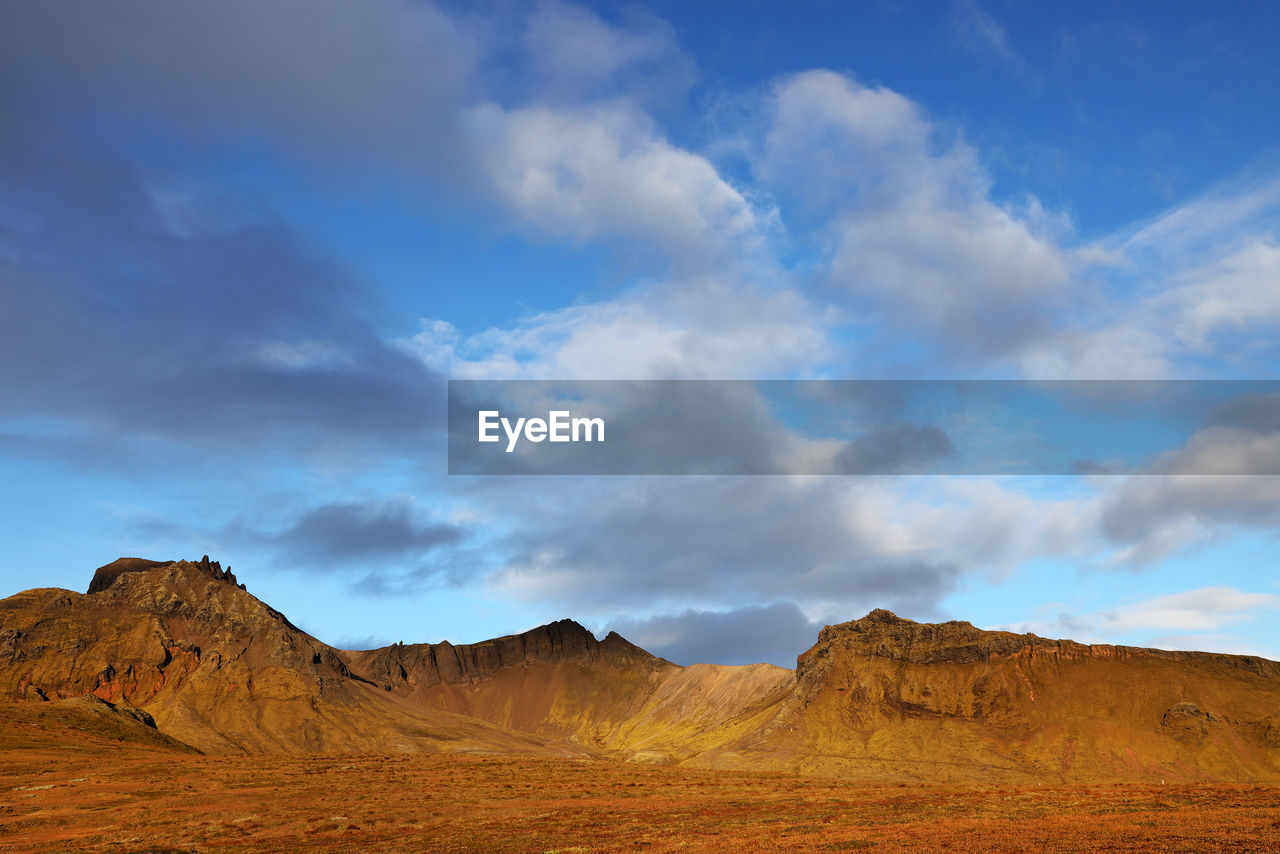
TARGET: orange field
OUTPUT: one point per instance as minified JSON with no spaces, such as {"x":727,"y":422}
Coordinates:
{"x":108,"y":798}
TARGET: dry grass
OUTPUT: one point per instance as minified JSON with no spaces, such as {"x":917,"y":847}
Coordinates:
{"x":111,"y":798}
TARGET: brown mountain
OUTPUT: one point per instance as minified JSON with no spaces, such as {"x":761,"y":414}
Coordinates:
{"x":181,"y":645}
{"x":883,"y":697}
{"x":215,"y":667}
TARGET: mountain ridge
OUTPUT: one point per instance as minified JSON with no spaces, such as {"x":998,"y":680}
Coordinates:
{"x":879,"y":697}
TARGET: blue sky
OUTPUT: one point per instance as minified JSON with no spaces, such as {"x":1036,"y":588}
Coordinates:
{"x":244,"y":245}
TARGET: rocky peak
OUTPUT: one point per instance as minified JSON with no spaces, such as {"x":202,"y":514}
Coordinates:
{"x":884,"y":634}
{"x":105,"y":576}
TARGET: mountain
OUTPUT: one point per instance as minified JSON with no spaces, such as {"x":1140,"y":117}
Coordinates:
{"x":180,"y":652}
{"x":215,"y":667}
{"x":559,"y":681}
{"x":889,"y":698}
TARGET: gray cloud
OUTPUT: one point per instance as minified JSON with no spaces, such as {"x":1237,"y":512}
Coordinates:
{"x":1258,"y":413}
{"x":402,"y":96}
{"x":1176,"y":504}
{"x":383,"y":79}
{"x":603,"y":544}
{"x":371,"y":541}
{"x":773,"y":634}
{"x":575,"y":54}
{"x":350,"y":535}
{"x":900,"y":448}
{"x":122,"y":319}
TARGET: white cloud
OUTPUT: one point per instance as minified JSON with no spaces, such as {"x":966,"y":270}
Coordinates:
{"x":1188,"y":293}
{"x":1235,"y":296}
{"x":604,"y":172}
{"x":1242,"y":206}
{"x":977,"y":31}
{"x":907,"y":222}
{"x":701,"y":329}
{"x":1205,"y":609}
{"x":1192,"y":619}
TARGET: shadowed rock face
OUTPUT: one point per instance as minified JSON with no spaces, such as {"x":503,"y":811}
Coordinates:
{"x":183,"y":645}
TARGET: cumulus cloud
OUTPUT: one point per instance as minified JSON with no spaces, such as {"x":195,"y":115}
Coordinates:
{"x":1223,"y":477}
{"x":604,"y":172}
{"x":134,"y":305}
{"x":833,"y":545}
{"x":399,"y":87}
{"x":908,"y":226}
{"x":1153,"y":516}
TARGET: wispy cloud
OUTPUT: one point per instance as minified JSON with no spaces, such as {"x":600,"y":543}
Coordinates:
{"x":1193,"y":619}
{"x":977,"y":31}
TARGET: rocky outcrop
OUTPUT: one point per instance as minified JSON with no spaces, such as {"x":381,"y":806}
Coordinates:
{"x":887,"y":697}
{"x":105,"y":576}
{"x":883,"y":634}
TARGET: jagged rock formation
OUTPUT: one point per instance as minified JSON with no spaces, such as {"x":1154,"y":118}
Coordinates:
{"x":182,"y":644}
{"x":104,"y":576}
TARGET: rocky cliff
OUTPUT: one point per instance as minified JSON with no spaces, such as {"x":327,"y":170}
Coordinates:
{"x":888,"y":697}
